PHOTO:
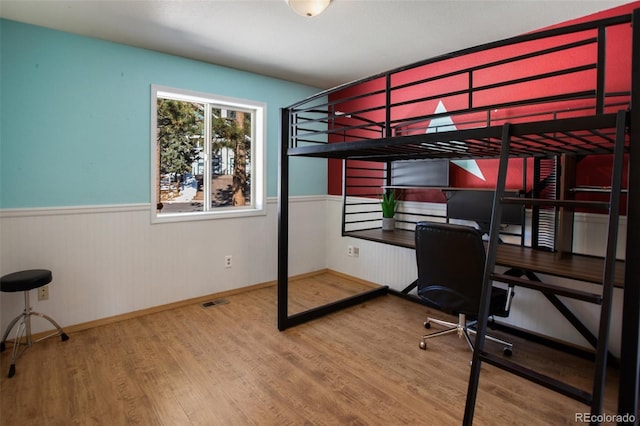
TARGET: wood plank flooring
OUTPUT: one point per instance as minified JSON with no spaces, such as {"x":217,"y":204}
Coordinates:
{"x":229,"y":365}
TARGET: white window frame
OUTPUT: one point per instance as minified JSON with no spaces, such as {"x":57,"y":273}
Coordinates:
{"x":258,"y":155}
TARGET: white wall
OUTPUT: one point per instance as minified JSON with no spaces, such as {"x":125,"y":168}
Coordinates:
{"x":108,"y":261}
{"x":395,"y":267}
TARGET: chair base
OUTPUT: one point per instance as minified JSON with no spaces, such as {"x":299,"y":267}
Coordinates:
{"x":462,"y":327}
{"x":23,"y":332}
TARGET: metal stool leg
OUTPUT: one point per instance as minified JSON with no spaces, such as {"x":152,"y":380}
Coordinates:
{"x":24,"y":316}
{"x":8,"y":330}
{"x":14,"y":355}
{"x":24,"y":330}
{"x":60,"y":331}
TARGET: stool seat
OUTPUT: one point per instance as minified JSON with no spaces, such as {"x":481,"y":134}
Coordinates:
{"x":25,"y":280}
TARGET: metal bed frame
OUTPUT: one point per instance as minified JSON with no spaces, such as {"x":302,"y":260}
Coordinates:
{"x":369,"y":120}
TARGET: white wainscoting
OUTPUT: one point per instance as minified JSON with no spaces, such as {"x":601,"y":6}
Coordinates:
{"x":108,"y":261}
{"x":111,"y":260}
{"x":395,"y":267}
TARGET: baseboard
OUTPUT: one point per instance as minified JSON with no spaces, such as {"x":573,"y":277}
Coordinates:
{"x":196,"y":300}
{"x":142,"y":312}
{"x":352,"y":278}
{"x":69,"y":329}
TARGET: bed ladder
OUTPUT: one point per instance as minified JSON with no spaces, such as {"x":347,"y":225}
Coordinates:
{"x":595,"y":398}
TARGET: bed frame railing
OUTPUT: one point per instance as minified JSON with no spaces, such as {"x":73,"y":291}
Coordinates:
{"x":551,"y":74}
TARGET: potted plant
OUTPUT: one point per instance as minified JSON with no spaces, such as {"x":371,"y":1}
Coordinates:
{"x":388,"y":205}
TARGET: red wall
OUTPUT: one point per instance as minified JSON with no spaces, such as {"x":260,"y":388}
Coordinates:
{"x":594,"y":171}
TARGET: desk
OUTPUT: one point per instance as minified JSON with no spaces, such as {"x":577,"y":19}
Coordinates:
{"x":524,"y":261}
{"x":577,"y":267}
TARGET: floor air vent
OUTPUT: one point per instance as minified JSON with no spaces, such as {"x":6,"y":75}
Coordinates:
{"x":216,"y":302}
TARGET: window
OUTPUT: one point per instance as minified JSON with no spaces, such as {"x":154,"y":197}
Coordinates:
{"x":207,"y":156}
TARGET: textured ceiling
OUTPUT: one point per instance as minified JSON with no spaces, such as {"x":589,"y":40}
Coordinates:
{"x":351,"y":40}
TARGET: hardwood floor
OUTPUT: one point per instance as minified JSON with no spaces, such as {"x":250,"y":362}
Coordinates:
{"x":229,"y":365}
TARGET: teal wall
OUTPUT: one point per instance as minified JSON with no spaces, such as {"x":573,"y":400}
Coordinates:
{"x":75,"y":117}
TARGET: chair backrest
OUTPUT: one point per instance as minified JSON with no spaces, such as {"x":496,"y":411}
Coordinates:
{"x":450,"y":262}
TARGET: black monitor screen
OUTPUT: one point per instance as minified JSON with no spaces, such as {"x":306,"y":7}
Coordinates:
{"x":476,"y":205}
{"x":420,"y":173}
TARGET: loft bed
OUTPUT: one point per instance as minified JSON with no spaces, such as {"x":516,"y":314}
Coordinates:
{"x":561,"y":93}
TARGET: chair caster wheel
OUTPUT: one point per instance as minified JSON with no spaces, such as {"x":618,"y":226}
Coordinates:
{"x":423,"y":345}
{"x":12,"y":371}
{"x":507,"y":351}
{"x":427,"y":325}
{"x":64,"y":337}
{"x":3,"y":346}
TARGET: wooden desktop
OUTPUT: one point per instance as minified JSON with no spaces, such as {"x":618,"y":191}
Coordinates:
{"x":576,"y":266}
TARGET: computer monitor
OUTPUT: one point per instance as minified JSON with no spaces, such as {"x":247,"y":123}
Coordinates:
{"x":476,"y":205}
{"x":433,"y":173}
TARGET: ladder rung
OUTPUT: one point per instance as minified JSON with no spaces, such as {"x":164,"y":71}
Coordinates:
{"x":536,"y":377}
{"x":604,"y":205}
{"x":549,"y":288}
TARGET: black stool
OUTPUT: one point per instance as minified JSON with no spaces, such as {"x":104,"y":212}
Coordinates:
{"x":25,"y":281}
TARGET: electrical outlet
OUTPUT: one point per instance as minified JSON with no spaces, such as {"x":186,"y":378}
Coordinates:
{"x":349,"y":250}
{"x":43,"y":292}
{"x":228,"y":261}
{"x":353,"y":251}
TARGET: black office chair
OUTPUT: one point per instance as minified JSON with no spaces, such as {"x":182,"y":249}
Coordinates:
{"x":451,"y":262}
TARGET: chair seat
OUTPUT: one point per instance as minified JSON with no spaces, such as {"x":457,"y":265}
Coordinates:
{"x":444,"y":302}
{"x":25,"y":280}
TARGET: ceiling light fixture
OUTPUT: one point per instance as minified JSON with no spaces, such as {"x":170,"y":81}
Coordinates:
{"x":308,"y":8}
